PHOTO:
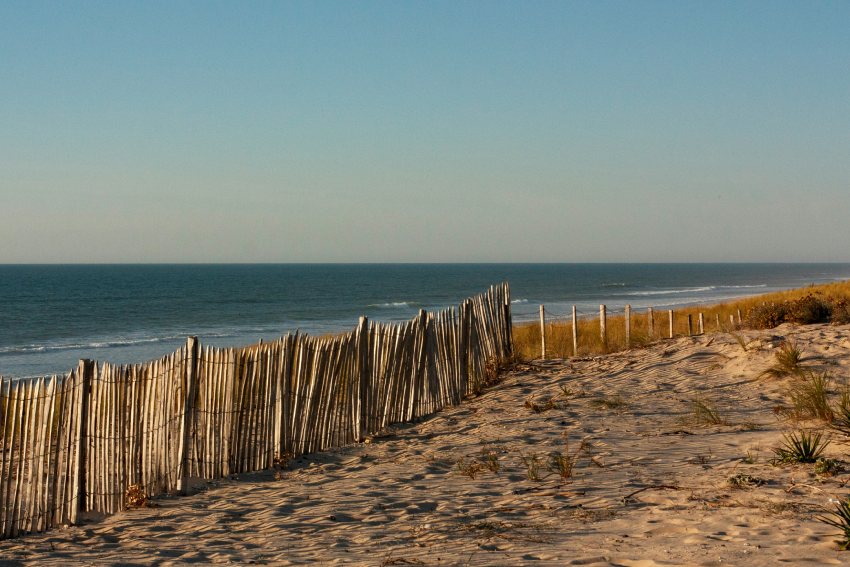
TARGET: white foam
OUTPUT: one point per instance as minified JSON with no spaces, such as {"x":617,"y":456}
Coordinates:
{"x":392,"y":305}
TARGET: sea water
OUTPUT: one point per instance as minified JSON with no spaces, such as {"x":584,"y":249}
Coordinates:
{"x":51,"y":316}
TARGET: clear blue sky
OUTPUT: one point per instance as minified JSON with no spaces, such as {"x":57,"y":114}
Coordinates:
{"x":424,"y":131}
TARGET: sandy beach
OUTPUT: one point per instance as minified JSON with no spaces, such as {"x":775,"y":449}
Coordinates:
{"x":651,"y":486}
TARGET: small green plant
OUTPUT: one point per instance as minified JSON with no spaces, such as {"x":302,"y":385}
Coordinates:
{"x":840,"y":518}
{"x":827,"y":467}
{"x":705,"y":412}
{"x":469,"y":468}
{"x":609,"y":402}
{"x":533,"y":465}
{"x":803,"y":448}
{"x":810,"y":397}
{"x":742,"y":480}
{"x":788,"y":358}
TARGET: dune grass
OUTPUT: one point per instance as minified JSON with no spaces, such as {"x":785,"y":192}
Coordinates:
{"x":761,"y":311}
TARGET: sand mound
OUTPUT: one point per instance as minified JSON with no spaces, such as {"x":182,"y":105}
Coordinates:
{"x":650,"y":486}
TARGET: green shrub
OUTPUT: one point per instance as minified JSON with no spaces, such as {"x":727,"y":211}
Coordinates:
{"x":767,"y":316}
{"x":808,"y":309}
{"x":840,"y":311}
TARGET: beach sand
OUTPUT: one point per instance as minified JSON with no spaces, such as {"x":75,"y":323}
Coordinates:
{"x":651,"y":486}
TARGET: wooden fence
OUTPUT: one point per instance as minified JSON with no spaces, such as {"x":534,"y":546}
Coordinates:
{"x":79,"y":442}
{"x":652,"y":324}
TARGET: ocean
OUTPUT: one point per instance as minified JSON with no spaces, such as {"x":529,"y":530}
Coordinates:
{"x":53,"y":315}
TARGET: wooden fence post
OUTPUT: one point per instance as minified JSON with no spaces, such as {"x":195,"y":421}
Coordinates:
{"x":506,"y":316}
{"x":85,"y":371}
{"x":628,"y":326}
{"x":575,"y":332}
{"x":717,"y":316}
{"x":363,"y":376}
{"x":690,"y":326}
{"x":739,"y":317}
{"x":603,"y":331}
{"x":464,"y":347}
{"x":732,"y":320}
{"x":188,"y":414}
{"x":701,"y":324}
{"x":670,"y":316}
{"x":542,"y":333}
{"x":650,"y":316}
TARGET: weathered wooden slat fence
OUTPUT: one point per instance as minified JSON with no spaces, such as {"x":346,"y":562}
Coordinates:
{"x":81,"y":441}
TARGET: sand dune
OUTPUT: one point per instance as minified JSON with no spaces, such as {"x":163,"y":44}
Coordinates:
{"x":651,"y":486}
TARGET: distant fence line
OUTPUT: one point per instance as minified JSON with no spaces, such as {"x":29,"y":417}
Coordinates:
{"x":651,"y":325}
{"x":79,"y":442}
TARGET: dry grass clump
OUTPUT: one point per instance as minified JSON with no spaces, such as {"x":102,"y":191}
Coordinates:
{"x":487,"y":460}
{"x":533,"y":467}
{"x":809,"y":396}
{"x":563,"y":463}
{"x":704,"y":412}
{"x":549,"y":404}
{"x":788,"y":359}
{"x":496,"y":367}
{"x":612,"y":402}
{"x":741,"y":340}
{"x":490,"y":458}
{"x":469,"y":468}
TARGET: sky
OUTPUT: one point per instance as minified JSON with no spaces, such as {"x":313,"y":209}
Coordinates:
{"x":453,"y":131}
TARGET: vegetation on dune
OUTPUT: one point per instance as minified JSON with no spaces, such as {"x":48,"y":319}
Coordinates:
{"x":840,"y":518}
{"x":828,"y":303}
{"x":801,"y":447}
{"x":788,"y":360}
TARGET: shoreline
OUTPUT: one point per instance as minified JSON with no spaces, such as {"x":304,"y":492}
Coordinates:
{"x":44,"y":359}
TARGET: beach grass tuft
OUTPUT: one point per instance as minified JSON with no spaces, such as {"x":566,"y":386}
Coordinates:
{"x":840,"y":518}
{"x":704,"y":412}
{"x":788,"y":357}
{"x":809,"y":397}
{"x":801,"y":447}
